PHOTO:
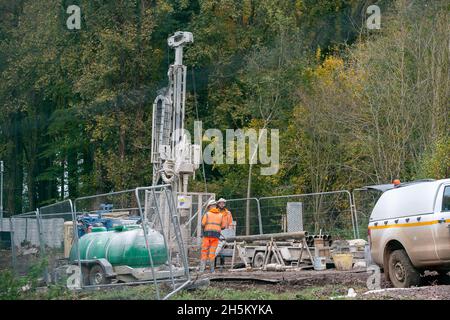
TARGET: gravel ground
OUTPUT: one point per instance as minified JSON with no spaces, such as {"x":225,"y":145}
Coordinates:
{"x":437,"y":292}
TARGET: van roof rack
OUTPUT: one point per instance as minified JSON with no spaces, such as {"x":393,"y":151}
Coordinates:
{"x":380,"y":187}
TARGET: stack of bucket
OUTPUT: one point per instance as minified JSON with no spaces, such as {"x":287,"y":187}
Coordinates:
{"x":320,"y":253}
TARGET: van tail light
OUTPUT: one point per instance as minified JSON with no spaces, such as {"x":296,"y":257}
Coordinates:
{"x":369,"y":236}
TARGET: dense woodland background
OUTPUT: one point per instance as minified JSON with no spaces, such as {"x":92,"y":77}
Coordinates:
{"x":354,"y":106}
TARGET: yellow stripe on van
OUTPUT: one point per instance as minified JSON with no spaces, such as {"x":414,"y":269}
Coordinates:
{"x":412,"y":224}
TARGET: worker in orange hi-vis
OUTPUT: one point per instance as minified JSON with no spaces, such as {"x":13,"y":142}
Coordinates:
{"x":229,"y":226}
{"x":225,"y":212}
{"x":212,"y":223}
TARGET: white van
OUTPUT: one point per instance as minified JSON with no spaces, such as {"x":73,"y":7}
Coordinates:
{"x":409,"y":231}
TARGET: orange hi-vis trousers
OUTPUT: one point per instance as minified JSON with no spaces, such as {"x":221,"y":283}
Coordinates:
{"x":209,"y":246}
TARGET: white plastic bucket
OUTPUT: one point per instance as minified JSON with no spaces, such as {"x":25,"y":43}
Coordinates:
{"x":320,"y":263}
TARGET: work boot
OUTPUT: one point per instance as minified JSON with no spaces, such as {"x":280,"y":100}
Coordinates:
{"x":202,"y":266}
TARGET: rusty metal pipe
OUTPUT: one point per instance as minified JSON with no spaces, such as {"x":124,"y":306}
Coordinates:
{"x":269,"y":236}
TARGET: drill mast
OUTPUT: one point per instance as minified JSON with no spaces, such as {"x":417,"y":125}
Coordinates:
{"x":174,"y":158}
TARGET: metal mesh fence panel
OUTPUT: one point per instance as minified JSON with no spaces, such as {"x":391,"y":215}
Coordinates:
{"x":198,"y":209}
{"x":107,"y":212}
{"x":139,"y":241}
{"x":326,"y":212}
{"x":56,"y":239}
{"x":243,"y":210}
{"x":27,"y":255}
{"x":5,"y":244}
{"x":364,"y":201}
{"x":119,"y":204}
{"x":162,"y":217}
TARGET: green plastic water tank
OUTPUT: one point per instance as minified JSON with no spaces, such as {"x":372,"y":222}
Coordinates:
{"x":98,"y":229}
{"x":123,"y":246}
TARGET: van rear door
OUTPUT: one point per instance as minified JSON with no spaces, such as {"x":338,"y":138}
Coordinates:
{"x":441,"y":230}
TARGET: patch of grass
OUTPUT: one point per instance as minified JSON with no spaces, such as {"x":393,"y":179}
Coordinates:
{"x":212,"y":293}
{"x":13,"y":287}
{"x":140,"y":292}
{"x":52,"y":292}
{"x":10,"y":286}
{"x":147,"y":292}
{"x":29,"y":287}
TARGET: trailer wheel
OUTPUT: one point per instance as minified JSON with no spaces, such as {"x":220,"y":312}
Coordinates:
{"x":401,"y":271}
{"x":258,"y":260}
{"x":97,"y":276}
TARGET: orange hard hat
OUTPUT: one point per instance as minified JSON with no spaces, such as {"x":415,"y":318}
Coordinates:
{"x":396,"y":182}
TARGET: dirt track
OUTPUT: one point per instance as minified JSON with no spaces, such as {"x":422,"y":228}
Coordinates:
{"x":338,"y":280}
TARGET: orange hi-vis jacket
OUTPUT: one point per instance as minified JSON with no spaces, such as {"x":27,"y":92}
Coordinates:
{"x":213,"y":223}
{"x":227,"y":217}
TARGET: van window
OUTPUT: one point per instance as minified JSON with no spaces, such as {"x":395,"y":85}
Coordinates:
{"x":446,"y":199}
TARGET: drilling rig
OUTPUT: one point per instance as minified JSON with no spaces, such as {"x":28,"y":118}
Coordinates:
{"x":173,"y":156}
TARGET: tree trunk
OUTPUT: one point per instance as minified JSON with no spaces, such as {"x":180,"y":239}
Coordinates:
{"x":14,"y":168}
